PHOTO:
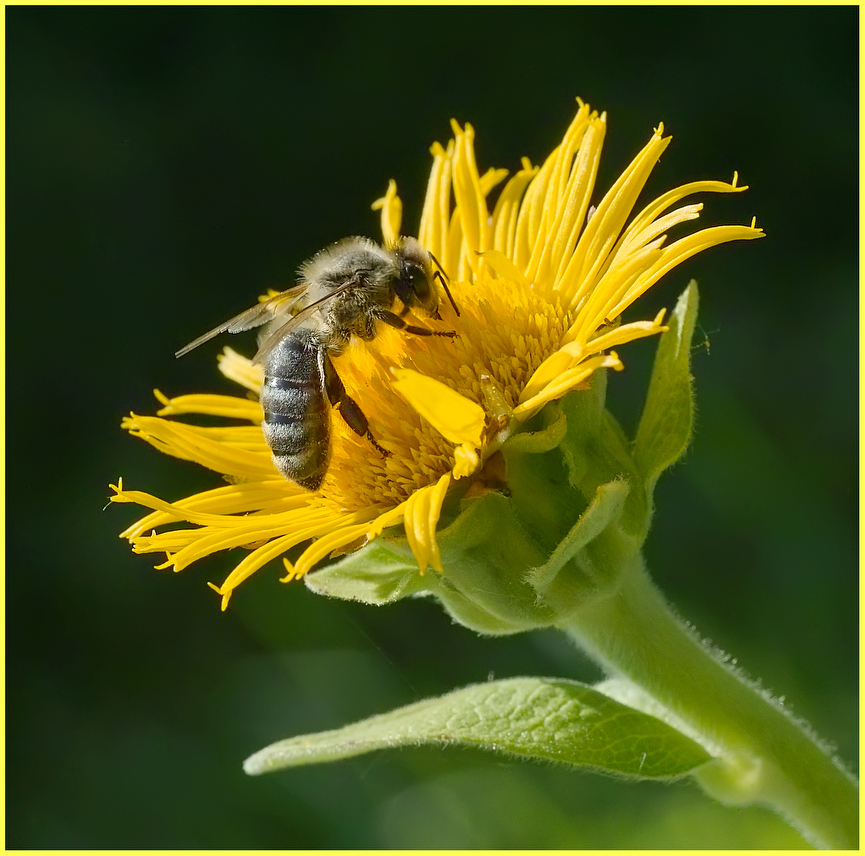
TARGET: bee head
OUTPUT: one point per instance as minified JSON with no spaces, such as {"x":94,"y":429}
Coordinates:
{"x":414,"y":283}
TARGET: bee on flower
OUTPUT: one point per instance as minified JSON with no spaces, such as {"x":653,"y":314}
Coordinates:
{"x":345,"y":290}
{"x":525,"y":281}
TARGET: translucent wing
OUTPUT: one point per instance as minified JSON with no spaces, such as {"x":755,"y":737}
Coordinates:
{"x":297,"y":319}
{"x":255,"y":316}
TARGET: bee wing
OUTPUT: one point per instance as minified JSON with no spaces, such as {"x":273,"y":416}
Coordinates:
{"x":297,"y":319}
{"x":255,"y":316}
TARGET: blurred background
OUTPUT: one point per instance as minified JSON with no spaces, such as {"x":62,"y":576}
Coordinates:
{"x":164,"y":166}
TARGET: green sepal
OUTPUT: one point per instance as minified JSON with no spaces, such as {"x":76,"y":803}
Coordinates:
{"x":596,"y":451}
{"x":668,"y":415}
{"x":540,"y":489}
{"x":603,"y":511}
{"x":536,"y":718}
{"x":480,"y":550}
{"x":376,"y":575}
{"x":483,"y":551}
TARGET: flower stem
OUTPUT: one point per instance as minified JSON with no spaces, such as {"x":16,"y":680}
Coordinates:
{"x":763,"y":754}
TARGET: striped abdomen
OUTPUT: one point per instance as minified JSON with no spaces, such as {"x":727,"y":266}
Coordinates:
{"x":296,"y":410}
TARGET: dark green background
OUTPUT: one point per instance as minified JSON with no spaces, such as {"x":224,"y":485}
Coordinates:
{"x":163,"y":167}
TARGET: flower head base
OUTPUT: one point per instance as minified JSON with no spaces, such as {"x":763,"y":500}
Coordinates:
{"x":541,"y":279}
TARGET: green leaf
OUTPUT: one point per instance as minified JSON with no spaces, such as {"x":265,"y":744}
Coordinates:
{"x":544,"y":719}
{"x":665,"y":426}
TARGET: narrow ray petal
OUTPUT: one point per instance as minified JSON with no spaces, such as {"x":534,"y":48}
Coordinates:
{"x":421,"y":518}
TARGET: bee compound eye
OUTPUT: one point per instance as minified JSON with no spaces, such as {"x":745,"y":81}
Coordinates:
{"x":413,"y":287}
{"x":421,"y":285}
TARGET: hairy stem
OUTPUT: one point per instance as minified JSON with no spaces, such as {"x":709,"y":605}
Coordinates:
{"x":763,"y":754}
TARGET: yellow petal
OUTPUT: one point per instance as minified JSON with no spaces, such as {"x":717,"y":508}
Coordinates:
{"x":653,"y":211}
{"x":243,"y":498}
{"x":241,"y":370}
{"x":466,"y":460}
{"x":391,"y":214}
{"x":602,"y":231}
{"x":507,"y":208}
{"x":454,"y":416}
{"x":323,"y":546}
{"x":628,"y":332}
{"x":598,"y":307}
{"x":469,"y":195}
{"x":255,"y":560}
{"x":571,"y":379}
{"x":422,"y":512}
{"x":434,"y":221}
{"x":504,"y":268}
{"x":389,"y":518}
{"x":683,"y":249}
{"x":552,"y":367}
{"x":491,"y":179}
{"x":237,"y":451}
{"x":229,"y":406}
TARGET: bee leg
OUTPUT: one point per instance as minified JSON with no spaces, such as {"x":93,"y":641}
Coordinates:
{"x":442,"y":278}
{"x":348,"y":408}
{"x":394,"y":320}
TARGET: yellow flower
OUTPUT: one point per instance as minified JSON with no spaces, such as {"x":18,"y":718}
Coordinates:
{"x":541,"y":278}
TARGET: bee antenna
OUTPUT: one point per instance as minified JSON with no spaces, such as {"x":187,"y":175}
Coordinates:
{"x":441,"y":276}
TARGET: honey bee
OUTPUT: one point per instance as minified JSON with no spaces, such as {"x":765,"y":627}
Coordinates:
{"x":343,"y":290}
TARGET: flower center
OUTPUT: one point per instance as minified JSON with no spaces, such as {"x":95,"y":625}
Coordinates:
{"x":504,"y":332}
